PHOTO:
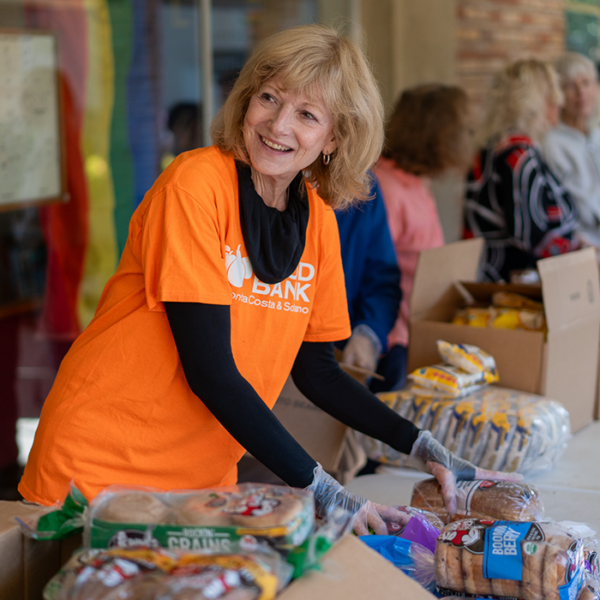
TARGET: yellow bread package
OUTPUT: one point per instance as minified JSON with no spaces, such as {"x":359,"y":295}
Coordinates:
{"x":468,"y":358}
{"x":514,"y":318}
{"x":475,"y":317}
{"x":512,"y":300}
{"x":450,"y":380}
{"x":501,"y":318}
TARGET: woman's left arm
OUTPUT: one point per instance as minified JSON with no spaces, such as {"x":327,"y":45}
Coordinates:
{"x":318,"y":376}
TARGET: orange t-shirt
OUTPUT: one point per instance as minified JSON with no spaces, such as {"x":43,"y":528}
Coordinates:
{"x":120,"y":410}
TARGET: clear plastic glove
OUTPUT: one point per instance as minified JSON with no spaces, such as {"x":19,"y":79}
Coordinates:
{"x":361,"y":350}
{"x":430,"y":456}
{"x":330,"y":494}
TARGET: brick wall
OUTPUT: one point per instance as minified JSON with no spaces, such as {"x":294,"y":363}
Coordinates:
{"x":493,"y":32}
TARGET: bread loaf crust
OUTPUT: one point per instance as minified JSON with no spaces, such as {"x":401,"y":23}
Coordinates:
{"x":495,"y":500}
{"x":134,"y":507}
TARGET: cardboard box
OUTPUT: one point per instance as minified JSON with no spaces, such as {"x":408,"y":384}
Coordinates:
{"x":562,"y":366}
{"x":326,"y":439}
{"x":26,"y":565}
{"x":350,"y":570}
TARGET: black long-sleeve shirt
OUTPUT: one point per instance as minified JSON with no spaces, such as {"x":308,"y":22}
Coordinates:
{"x":202,"y":334}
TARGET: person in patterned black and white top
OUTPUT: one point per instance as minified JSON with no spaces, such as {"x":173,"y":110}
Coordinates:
{"x":514,"y":200}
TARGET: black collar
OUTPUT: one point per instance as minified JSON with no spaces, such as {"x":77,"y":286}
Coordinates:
{"x":274,"y":239}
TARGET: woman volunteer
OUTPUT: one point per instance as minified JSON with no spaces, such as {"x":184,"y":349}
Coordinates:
{"x":231,"y":278}
{"x":513,"y":199}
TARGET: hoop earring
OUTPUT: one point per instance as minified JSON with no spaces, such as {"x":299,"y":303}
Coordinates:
{"x":326,"y":159}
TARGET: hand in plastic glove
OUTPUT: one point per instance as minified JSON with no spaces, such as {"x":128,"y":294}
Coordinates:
{"x":430,"y":456}
{"x":361,"y":349}
{"x":330,"y":494}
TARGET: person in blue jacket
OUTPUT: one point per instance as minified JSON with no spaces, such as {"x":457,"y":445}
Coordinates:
{"x":372,"y":288}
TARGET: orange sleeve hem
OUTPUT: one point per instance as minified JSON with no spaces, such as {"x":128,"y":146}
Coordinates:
{"x":330,"y":336}
{"x":188,"y":296}
{"x":31,"y":497}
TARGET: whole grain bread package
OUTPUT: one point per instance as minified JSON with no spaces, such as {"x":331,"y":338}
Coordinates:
{"x":509,"y":559}
{"x":256,"y":573}
{"x":194,"y":520}
{"x":481,"y":499}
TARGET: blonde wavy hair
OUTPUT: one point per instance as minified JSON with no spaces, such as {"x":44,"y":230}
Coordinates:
{"x":328,"y":67}
{"x":518,"y":100}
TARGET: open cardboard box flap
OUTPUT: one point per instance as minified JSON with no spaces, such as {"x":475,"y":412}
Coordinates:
{"x":437,"y":271}
{"x":571,"y":289}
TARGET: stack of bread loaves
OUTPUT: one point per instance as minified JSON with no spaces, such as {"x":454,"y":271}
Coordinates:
{"x":499,"y":545}
{"x":509,"y":559}
{"x":494,"y":428}
{"x":229,"y":543}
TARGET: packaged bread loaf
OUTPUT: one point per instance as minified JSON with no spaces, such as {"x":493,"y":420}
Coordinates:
{"x":467,"y":357}
{"x":481,"y":499}
{"x":494,"y":428}
{"x":197,"y":519}
{"x":151,"y":574}
{"x":509,"y":559}
{"x":450,"y":380}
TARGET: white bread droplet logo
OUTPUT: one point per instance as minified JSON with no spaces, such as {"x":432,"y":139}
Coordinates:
{"x":238,"y":268}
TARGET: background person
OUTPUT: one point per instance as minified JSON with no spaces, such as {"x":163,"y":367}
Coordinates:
{"x":572,"y":148}
{"x":427,"y":134}
{"x":231,"y":278}
{"x":372,"y":280}
{"x":514,"y":200}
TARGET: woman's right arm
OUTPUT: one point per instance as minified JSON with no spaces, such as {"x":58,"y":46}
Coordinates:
{"x":202,"y":334}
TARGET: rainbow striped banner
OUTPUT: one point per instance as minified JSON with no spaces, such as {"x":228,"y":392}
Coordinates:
{"x":109,"y":82}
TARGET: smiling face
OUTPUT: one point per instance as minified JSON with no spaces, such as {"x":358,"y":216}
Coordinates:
{"x":285,"y":131}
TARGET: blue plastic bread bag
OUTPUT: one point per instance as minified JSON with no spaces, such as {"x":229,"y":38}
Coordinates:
{"x":412,"y":558}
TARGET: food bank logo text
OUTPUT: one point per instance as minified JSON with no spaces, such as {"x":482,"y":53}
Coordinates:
{"x":278,"y":296}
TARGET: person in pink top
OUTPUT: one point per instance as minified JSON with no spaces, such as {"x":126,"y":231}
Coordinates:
{"x":427,"y":134}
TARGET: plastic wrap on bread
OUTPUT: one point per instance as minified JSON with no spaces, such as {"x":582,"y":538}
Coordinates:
{"x":198,"y":519}
{"x":412,"y":558}
{"x":481,"y":499}
{"x":509,"y":559}
{"x":253,"y":573}
{"x":494,"y":428}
